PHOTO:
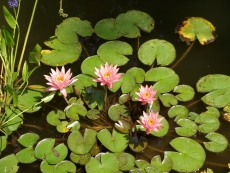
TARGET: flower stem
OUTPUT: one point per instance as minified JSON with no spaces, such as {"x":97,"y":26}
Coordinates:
{"x":105,"y":98}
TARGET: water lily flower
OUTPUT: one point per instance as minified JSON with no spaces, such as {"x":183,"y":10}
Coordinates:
{"x":146,"y":95}
{"x":59,"y":80}
{"x":13,"y":3}
{"x":107,"y":75}
{"x":150,"y":122}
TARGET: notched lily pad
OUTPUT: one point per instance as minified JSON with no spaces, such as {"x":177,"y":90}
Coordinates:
{"x":138,"y":145}
{"x":168,"y":99}
{"x":188,"y":127}
{"x":137,"y":73}
{"x":178,"y":111}
{"x":28,"y":139}
{"x":163,"y":166}
{"x":196,"y":28}
{"x":185,"y":92}
{"x":26,"y":155}
{"x":117,"y":110}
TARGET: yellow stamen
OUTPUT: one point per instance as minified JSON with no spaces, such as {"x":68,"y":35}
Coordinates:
{"x":150,"y":121}
{"x":107,"y":74}
{"x":60,"y":78}
{"x":146,"y":94}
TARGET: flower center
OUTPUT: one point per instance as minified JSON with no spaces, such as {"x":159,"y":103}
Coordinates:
{"x":107,"y":74}
{"x":146,"y":94}
{"x":60,"y":78}
{"x":150,"y":121}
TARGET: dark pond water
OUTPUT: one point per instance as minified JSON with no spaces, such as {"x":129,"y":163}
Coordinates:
{"x":201,"y":60}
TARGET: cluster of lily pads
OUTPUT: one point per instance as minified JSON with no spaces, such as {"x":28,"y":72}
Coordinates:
{"x":101,"y":125}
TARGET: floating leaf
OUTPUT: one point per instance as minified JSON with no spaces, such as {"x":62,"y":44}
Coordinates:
{"x":190,"y":156}
{"x":168,"y":100}
{"x":188,"y":127}
{"x":54,"y":117}
{"x":186,"y":92}
{"x":26,"y":155}
{"x":73,"y":125}
{"x":196,"y":27}
{"x":61,"y":54}
{"x":138,"y":145}
{"x":81,"y":159}
{"x":116,"y":142}
{"x":83,"y":82}
{"x":178,"y":111}
{"x":166,"y":79}
{"x":107,"y":163}
{"x":218,"y":142}
{"x":45,"y":167}
{"x":43,"y":147}
{"x":117,"y":110}
{"x":94,"y":97}
{"x":163,"y":166}
{"x":218,"y":86}
{"x":28,"y":139}
{"x":3,"y":142}
{"x":9,"y":164}
{"x":161,"y":50}
{"x":93,"y":114}
{"x":127,"y":84}
{"x":57,"y":154}
{"x":105,"y":29}
{"x":81,"y":144}
{"x":113,"y":52}
{"x":74,"y":109}
{"x":73,"y":26}
{"x":123,"y":98}
{"x":62,"y":127}
{"x":130,"y":22}
{"x":137,"y":73}
{"x":126,"y":161}
{"x":65,"y":167}
{"x":142,"y":164}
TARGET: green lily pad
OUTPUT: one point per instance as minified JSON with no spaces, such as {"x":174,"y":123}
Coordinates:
{"x":186,"y":159}
{"x":163,"y":166}
{"x":57,"y":154}
{"x":117,"y":110}
{"x":123,"y":126}
{"x":65,"y":167}
{"x":186,"y":92}
{"x":192,"y":115}
{"x":3,"y":142}
{"x":161,"y":50}
{"x":127,"y":84}
{"x":62,"y":127}
{"x":155,"y":106}
{"x":89,"y":64}
{"x":116,"y":142}
{"x":81,"y":144}
{"x":94,"y":97}
{"x":130,"y":23}
{"x":126,"y":161}
{"x":9,"y":164}
{"x":142,"y":164}
{"x":105,"y":29}
{"x":137,"y":73}
{"x":81,"y":159}
{"x":72,"y":111}
{"x":61,"y":54}
{"x":218,"y":142}
{"x":43,"y":147}
{"x":218,"y":88}
{"x":54,"y":117}
{"x":188,"y":127}
{"x":123,"y":98}
{"x":168,"y":99}
{"x":107,"y":163}
{"x":138,"y":145}
{"x":73,"y":26}
{"x":178,"y":111}
{"x":133,"y":94}
{"x":26,"y":155}
{"x":166,"y":79}
{"x":93,"y":114}
{"x":73,"y":125}
{"x":196,"y":28}
{"x":45,"y":167}
{"x":151,"y":169}
{"x":113,"y":52}
{"x":28,"y":139}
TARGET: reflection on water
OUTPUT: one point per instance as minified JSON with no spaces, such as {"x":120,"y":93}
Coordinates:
{"x":201,"y":60}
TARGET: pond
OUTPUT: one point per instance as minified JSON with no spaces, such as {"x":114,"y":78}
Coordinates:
{"x":201,"y":60}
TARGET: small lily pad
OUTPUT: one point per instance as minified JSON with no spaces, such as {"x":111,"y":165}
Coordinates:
{"x":168,"y":100}
{"x":93,"y":114}
{"x":28,"y":139}
{"x":94,"y":97}
{"x":186,"y":92}
{"x":57,"y":154}
{"x":3,"y":142}
{"x":54,"y":117}
{"x":81,"y":159}
{"x":26,"y":155}
{"x":117,"y":110}
{"x":138,"y":145}
{"x":127,"y":84}
{"x":137,"y":73}
{"x":43,"y":147}
{"x":123,"y":98}
{"x":188,"y":127}
{"x":126,"y":161}
{"x":178,"y":111}
{"x":62,"y":127}
{"x":65,"y":166}
{"x":45,"y":167}
{"x":163,"y":166}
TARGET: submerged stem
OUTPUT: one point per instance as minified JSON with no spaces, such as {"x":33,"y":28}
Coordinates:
{"x":183,"y":56}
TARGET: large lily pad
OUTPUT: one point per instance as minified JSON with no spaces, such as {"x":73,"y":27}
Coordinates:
{"x":166,"y":79}
{"x":105,"y":29}
{"x":218,"y":86}
{"x":130,"y":23}
{"x":117,"y":110}
{"x":61,"y":54}
{"x":196,"y":28}
{"x":73,"y":26}
{"x":190,"y":156}
{"x":113,"y":52}
{"x":161,"y":50}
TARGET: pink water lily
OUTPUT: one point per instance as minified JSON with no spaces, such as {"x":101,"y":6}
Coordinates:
{"x":150,"y":122}
{"x":107,"y":75}
{"x":59,"y":80}
{"x":146,"y":95}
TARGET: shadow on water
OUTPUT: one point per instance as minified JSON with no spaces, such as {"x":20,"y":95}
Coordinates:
{"x":201,"y":60}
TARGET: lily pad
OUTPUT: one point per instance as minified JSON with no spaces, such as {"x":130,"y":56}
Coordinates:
{"x":126,"y":161}
{"x":218,"y":86}
{"x":196,"y":28}
{"x":218,"y":142}
{"x":137,"y":73}
{"x":72,"y":111}
{"x":138,"y":145}
{"x":28,"y":139}
{"x":73,"y":26}
{"x":26,"y":155}
{"x":43,"y":147}
{"x":188,"y":127}
{"x":186,"y":160}
{"x":123,"y":98}
{"x":94,"y":98}
{"x":81,"y":144}
{"x":178,"y":111}
{"x":105,"y":29}
{"x":186,"y":92}
{"x":81,"y":159}
{"x":9,"y":164}
{"x":117,"y":110}
{"x":93,"y":114}
{"x":113,"y":52}
{"x":57,"y":154}
{"x":115,"y":142}
{"x":123,"y":126}
{"x":163,"y":166}
{"x":83,"y":82}
{"x":130,"y":23}
{"x":45,"y":167}
{"x":65,"y":166}
{"x":166,"y":79}
{"x":127,"y":84}
{"x":62,"y":127}
{"x":161,"y":50}
{"x":61,"y":54}
{"x":54,"y":117}
{"x":3,"y":142}
{"x":107,"y":163}
{"x":168,"y":99}
{"x":142,"y":164}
